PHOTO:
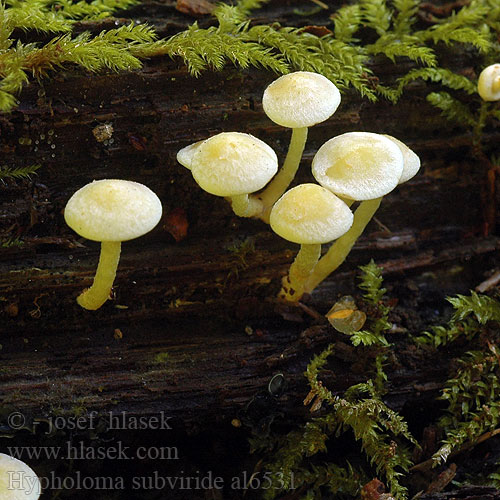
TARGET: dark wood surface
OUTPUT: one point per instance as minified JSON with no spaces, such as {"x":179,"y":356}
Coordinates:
{"x":193,"y":329}
{"x":176,"y":297}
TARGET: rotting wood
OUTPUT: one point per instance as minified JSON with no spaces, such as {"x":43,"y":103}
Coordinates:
{"x":192,"y":300}
{"x":154,"y":112}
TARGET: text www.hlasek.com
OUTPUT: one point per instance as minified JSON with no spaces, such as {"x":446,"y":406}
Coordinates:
{"x":82,"y":452}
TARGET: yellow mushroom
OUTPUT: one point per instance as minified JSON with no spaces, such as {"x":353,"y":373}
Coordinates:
{"x":110,"y":211}
{"x":359,"y":166}
{"x":297,"y":100}
{"x":233,"y":165}
{"x":309,"y":215}
{"x":17,"y":480}
{"x":488,"y":85}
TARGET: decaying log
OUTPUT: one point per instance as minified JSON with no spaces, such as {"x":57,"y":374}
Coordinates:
{"x":466,"y":493}
{"x":193,"y":329}
{"x":225,"y":269}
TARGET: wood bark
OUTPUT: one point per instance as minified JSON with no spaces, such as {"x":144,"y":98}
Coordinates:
{"x":226,"y":269}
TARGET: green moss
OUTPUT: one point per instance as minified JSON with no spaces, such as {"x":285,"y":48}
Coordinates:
{"x":381,"y":433}
{"x":241,"y":251}
{"x":161,"y":358}
{"x":473,"y":397}
{"x":78,"y":410}
{"x":472,"y":393}
{"x":340,"y":56}
{"x":371,"y":283}
{"x":470,"y":313}
{"x":17,"y":172}
{"x":11,"y":242}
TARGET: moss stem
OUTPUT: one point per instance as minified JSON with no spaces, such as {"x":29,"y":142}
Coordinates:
{"x":293,"y":284}
{"x":480,"y":124}
{"x":339,"y":251}
{"x":287,"y":172}
{"x":94,"y":297}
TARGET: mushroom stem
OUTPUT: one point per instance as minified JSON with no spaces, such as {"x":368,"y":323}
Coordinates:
{"x":301,"y":268}
{"x":246,"y":206}
{"x":287,"y":172}
{"x":94,"y":297}
{"x":339,"y":251}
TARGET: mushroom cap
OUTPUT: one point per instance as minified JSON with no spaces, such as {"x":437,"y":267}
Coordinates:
{"x":185,"y":155}
{"x":113,"y":210}
{"x":488,"y":85}
{"x":300,"y":99}
{"x":233,"y":163}
{"x":310,"y":214}
{"x":358,"y":165}
{"x":411,"y":161}
{"x":17,"y":480}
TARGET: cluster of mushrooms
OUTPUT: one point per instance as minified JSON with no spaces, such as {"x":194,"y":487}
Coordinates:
{"x":356,"y":167}
{"x":353,"y":167}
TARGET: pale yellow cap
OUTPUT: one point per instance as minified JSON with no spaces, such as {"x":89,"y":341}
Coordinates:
{"x":17,"y":480}
{"x":300,"y":99}
{"x":310,"y":214}
{"x":233,"y":163}
{"x":488,"y":85}
{"x":113,"y":210}
{"x":185,"y":155}
{"x":358,"y":165}
{"x":411,"y":161}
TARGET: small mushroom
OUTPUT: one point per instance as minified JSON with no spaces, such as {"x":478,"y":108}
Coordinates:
{"x":297,"y":100}
{"x":488,"y":85}
{"x":300,"y":99}
{"x":309,"y":215}
{"x":17,"y":480}
{"x":359,"y":166}
{"x":233,"y":165}
{"x":110,"y":211}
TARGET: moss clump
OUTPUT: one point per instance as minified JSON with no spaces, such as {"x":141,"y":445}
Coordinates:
{"x":341,"y":55}
{"x":381,"y":433}
{"x":302,"y":458}
{"x":161,"y":358}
